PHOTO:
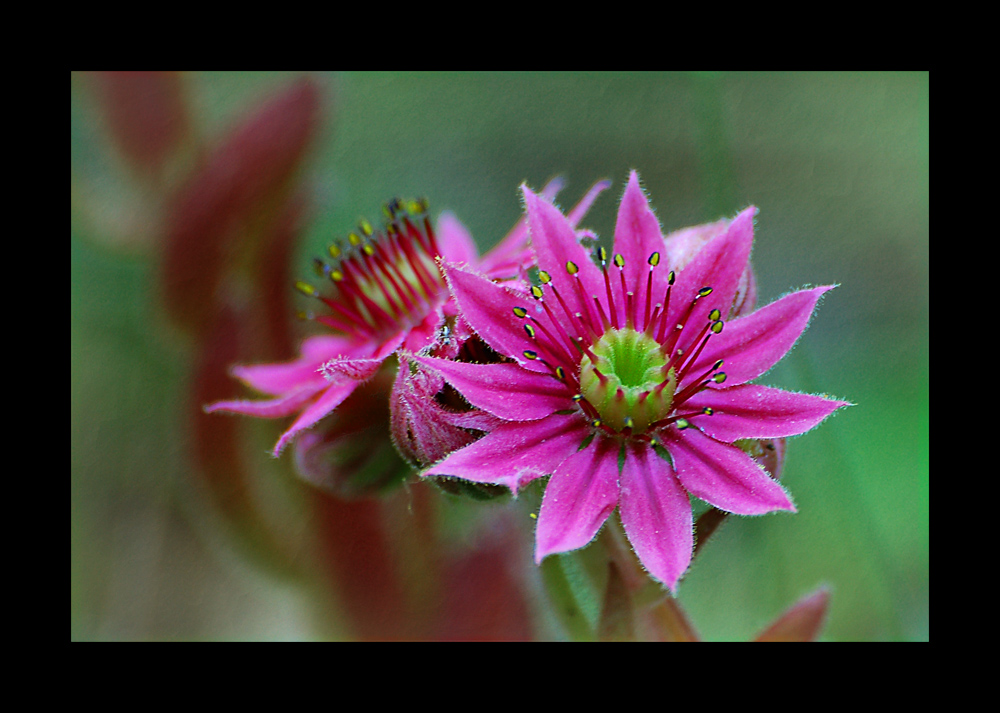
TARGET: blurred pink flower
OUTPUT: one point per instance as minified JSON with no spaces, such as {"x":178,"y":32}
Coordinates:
{"x":388,"y":293}
{"x":616,"y":386}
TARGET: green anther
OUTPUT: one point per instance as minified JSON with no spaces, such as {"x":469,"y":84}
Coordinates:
{"x":714,"y":315}
{"x":353,"y":239}
{"x":654,"y":259}
{"x":707,"y":411}
{"x":369,"y":250}
{"x":717,"y":327}
{"x":545,"y":277}
{"x":334,"y":251}
{"x":366,"y":228}
{"x":536,"y":292}
{"x":560,"y":373}
{"x":704,"y":291}
{"x":683,"y":423}
{"x":530,"y":330}
{"x":530,"y":354}
{"x":521,"y":312}
{"x":671,"y":277}
{"x":619,"y":260}
{"x":571,"y":268}
{"x":336,"y":275}
{"x":719,"y":378}
{"x":603,"y":254}
{"x":578,"y":397}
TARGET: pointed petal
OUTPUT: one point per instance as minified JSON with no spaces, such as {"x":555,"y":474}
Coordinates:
{"x":555,"y":245}
{"x":723,"y":475}
{"x":718,"y":265}
{"x":515,"y":453}
{"x":637,"y":237}
{"x":489,"y":309}
{"x":454,"y":240}
{"x":752,"y":411}
{"x":580,"y":209}
{"x":327,"y":402}
{"x":354,"y":369}
{"x":682,"y":245}
{"x":505,"y":390}
{"x":270,"y":408}
{"x":277,"y":379}
{"x":656,"y":514}
{"x":579,"y":496}
{"x":513,"y":252}
{"x":752,"y":344}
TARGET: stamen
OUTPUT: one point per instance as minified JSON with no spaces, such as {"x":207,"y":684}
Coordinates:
{"x":607,"y":287}
{"x":382,"y":278}
{"x":666,"y":306}
{"x":605,"y":324}
{"x":698,"y":384}
{"x":682,"y":322}
{"x":620,"y":262}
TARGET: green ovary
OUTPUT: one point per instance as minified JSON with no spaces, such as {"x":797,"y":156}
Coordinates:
{"x":632,"y":392}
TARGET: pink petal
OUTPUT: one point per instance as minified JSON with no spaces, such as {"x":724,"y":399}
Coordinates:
{"x":271,"y":408}
{"x":454,"y":241}
{"x":555,"y":245}
{"x":656,"y":514}
{"x":682,"y":245}
{"x":752,"y":411}
{"x":637,"y":237}
{"x":516,"y":453}
{"x":505,"y":390}
{"x":723,"y":475}
{"x":752,"y":344}
{"x":580,"y":209}
{"x":423,"y":334}
{"x":279,"y":379}
{"x":579,"y":496}
{"x":718,"y":265}
{"x":489,"y":309}
{"x":513,"y":253}
{"x":327,"y":402}
{"x":355,"y":369}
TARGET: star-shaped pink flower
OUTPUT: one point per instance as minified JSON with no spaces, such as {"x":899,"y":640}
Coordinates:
{"x":626,"y":386}
{"x":387,"y":292}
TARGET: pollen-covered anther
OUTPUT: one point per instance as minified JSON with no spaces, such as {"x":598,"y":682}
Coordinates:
{"x":384,"y":280}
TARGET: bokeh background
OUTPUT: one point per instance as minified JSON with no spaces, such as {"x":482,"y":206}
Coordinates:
{"x":837,"y":164}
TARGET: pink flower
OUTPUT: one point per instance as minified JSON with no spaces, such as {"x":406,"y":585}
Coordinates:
{"x":388,"y":292}
{"x":625,"y":387}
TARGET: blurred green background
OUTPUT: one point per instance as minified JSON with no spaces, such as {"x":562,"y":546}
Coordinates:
{"x":836,"y":163}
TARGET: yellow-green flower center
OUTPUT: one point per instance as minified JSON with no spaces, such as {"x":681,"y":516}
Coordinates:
{"x":627,"y":385}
